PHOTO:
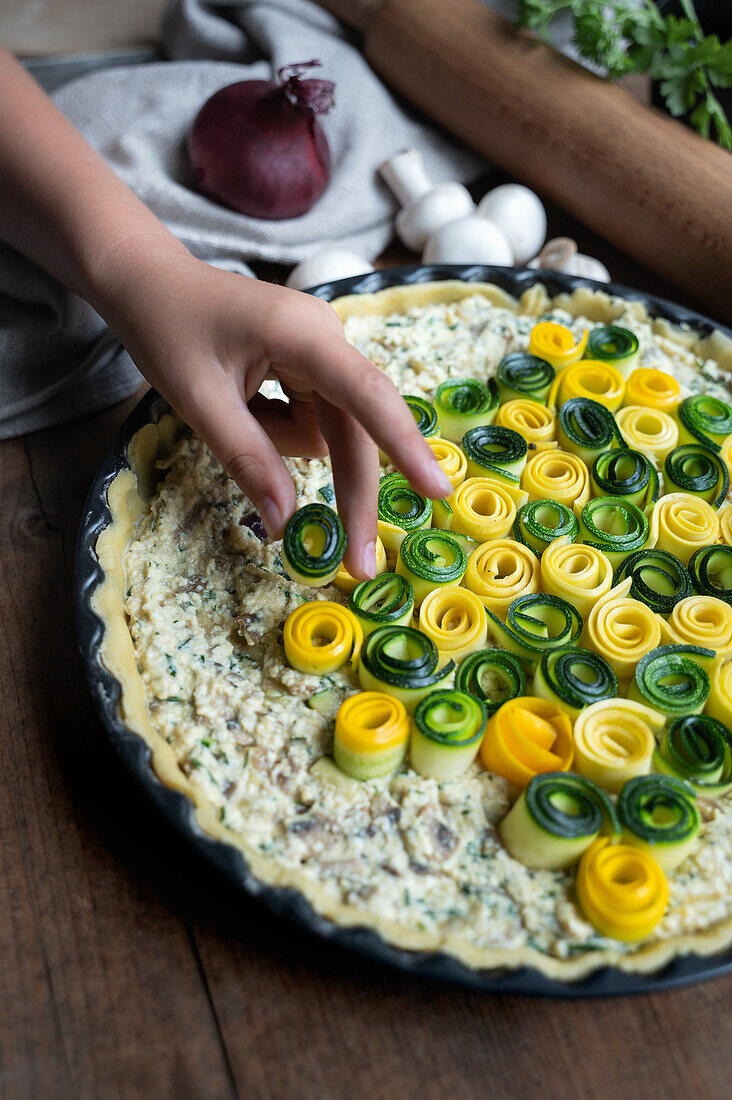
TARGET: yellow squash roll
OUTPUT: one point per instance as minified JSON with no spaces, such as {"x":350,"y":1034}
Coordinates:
{"x":614,"y":740}
{"x":621,"y":890}
{"x":724,"y":515}
{"x":589,"y":378}
{"x":535,"y":422}
{"x":621,"y":630}
{"x":371,"y":734}
{"x":682,"y":523}
{"x":557,"y":475}
{"x":347,"y":583}
{"x":700,"y":621}
{"x":579,"y":574}
{"x":719,"y":703}
{"x":455,"y":620}
{"x":450,"y":459}
{"x":556,"y":344}
{"x":527,"y":736}
{"x":483,"y":509}
{"x":726,"y":454}
{"x":653,"y":389}
{"x":499,"y":571}
{"x":321,"y":637}
{"x":651,"y":431}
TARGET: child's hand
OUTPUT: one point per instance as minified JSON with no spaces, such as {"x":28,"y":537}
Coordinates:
{"x":207,"y":339}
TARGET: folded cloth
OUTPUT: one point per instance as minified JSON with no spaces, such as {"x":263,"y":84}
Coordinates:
{"x":57,"y":358}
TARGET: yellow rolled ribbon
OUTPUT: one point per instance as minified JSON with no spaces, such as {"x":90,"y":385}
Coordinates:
{"x":682,"y":523}
{"x":653,"y":389}
{"x":557,"y":475}
{"x":621,"y":630}
{"x":347,"y":583}
{"x":556,"y":344}
{"x":726,"y":454}
{"x":614,"y":740}
{"x":579,"y":574}
{"x":321,"y":637}
{"x":450,"y":459}
{"x":719,"y":703}
{"x":651,"y":431}
{"x":371,"y":734}
{"x":455,"y":620}
{"x":700,"y":621}
{"x":724,"y":515}
{"x":483,"y":509}
{"x":589,"y":378}
{"x":535,"y":422}
{"x":621,"y":890}
{"x":527,"y":736}
{"x":500,"y":570}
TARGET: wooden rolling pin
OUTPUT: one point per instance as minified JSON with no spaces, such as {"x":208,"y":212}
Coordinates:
{"x":632,"y":174}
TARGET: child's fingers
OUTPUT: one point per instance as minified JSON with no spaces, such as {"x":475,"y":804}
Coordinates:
{"x":292,"y":427}
{"x":355,"y":462}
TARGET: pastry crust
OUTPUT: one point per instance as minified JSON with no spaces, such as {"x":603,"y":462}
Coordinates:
{"x":127,"y":495}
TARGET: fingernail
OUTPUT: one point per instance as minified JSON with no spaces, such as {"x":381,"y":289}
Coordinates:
{"x":368,"y":559}
{"x":272,"y":516}
{"x":443,"y":485}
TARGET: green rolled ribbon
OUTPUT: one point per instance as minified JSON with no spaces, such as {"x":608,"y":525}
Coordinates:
{"x":697,"y":468}
{"x":710,"y":569}
{"x":671,"y":679}
{"x":625,"y":473}
{"x":539,"y":522}
{"x":659,"y":579}
{"x":535,"y":623}
{"x":387,"y":600}
{"x":615,"y":526}
{"x":313,"y":545}
{"x":430,"y":558}
{"x":465,"y":403}
{"x":587,"y":428}
{"x":613,"y":344}
{"x":574,"y":678}
{"x":704,"y":419}
{"x":424,"y":413}
{"x":698,"y":748}
{"x":522,"y":375}
{"x":401,"y":505}
{"x":447,"y":729}
{"x":495,"y":452}
{"x":658,"y":814}
{"x":492,"y":675}
{"x":403,"y":662}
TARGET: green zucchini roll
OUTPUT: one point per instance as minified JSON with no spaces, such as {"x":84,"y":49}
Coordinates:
{"x":659,"y":579}
{"x":465,"y":403}
{"x":493,"y":676}
{"x":538,"y":522}
{"x":402,"y":662}
{"x":698,"y":748}
{"x":671,"y":680}
{"x":429,"y":559}
{"x":495,"y":452}
{"x":710,"y":569}
{"x":446,"y":732}
{"x":401,"y":509}
{"x":536,"y":623}
{"x":613,"y":344}
{"x":586,"y":428}
{"x":625,"y":473}
{"x":574,"y":678}
{"x":615,"y":526}
{"x":313,"y":545}
{"x":524,"y":375}
{"x":424,"y":414}
{"x":704,"y":419}
{"x":658,"y":814}
{"x":387,"y":600}
{"x":697,"y":468}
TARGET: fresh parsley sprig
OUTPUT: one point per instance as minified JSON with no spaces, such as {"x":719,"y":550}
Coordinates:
{"x":632,"y":36}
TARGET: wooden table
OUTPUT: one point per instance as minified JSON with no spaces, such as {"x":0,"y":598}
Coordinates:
{"x":129,"y":968}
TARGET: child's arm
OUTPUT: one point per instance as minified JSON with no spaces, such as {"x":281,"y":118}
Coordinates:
{"x":203,"y":337}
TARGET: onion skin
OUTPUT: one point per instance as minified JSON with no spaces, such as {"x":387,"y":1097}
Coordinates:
{"x":257,"y":147}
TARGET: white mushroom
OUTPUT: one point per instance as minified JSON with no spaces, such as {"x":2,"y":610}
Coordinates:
{"x":560,"y":254}
{"x":425,"y":207}
{"x":470,"y":240}
{"x":325,"y":266}
{"x":519,"y":213}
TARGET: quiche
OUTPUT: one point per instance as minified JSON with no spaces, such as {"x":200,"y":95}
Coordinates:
{"x":194,"y":603}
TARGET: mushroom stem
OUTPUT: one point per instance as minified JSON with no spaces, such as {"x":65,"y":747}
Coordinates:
{"x":406,"y":177}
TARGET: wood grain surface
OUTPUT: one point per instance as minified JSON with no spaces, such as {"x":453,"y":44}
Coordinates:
{"x":131,"y":969}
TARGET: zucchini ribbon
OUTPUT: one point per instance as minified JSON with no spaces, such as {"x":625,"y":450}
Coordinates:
{"x":614,"y":344}
{"x":615,"y":526}
{"x":698,"y":748}
{"x":450,"y":459}
{"x":527,"y":736}
{"x":697,"y":469}
{"x":625,"y":473}
{"x":534,"y":624}
{"x":614,"y":741}
{"x":586,"y":428}
{"x":651,"y":431}
{"x":682,"y":523}
{"x":320,"y":637}
{"x":534,"y":422}
{"x":725,"y":523}
{"x":653,"y":389}
{"x":541,"y":521}
{"x":658,"y":579}
{"x":701,"y":621}
{"x":465,"y":403}
{"x":493,"y":675}
{"x":555,"y":819}
{"x":557,"y":475}
{"x":671,"y":679}
{"x":402,"y":662}
{"x":455,"y":620}
{"x":622,"y":891}
{"x":496,"y":453}
{"x":621,"y":630}
{"x":704,"y":419}
{"x":710,"y":569}
{"x":658,"y":814}
{"x":500,"y":570}
{"x":425,"y":414}
{"x":446,"y":732}
{"x":556,"y":344}
{"x":483,"y":509}
{"x":590,"y":379}
{"x":574,"y":678}
{"x":430,"y":559}
{"x":313,"y":545}
{"x":386,"y":600}
{"x":371,"y":734}
{"x":401,"y":509}
{"x":579,"y":574}
{"x":522,"y":375}
{"x":719,"y":704}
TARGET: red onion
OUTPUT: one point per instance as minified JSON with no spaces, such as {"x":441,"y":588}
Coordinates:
{"x":257,"y":146}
